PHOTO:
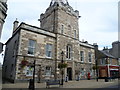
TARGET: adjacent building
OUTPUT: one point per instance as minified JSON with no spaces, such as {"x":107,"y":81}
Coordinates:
{"x":3,"y":11}
{"x":58,"y":32}
{"x":108,"y":61}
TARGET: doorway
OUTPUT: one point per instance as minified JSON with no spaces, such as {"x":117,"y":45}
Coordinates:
{"x":69,"y":73}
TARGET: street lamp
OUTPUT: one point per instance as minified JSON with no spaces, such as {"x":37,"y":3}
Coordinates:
{"x":39,"y":74}
{"x":62,"y":54}
{"x":32,"y":81}
{"x":96,"y":67}
{"x":107,"y":66}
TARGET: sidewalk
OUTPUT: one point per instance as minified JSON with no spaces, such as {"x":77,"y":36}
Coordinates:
{"x":70,"y":84}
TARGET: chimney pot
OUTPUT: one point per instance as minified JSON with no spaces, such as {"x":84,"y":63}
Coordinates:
{"x":15,"y":25}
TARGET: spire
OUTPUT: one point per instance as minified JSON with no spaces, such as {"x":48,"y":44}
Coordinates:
{"x":60,"y":2}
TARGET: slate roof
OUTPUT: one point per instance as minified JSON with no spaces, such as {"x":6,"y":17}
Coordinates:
{"x":103,"y":54}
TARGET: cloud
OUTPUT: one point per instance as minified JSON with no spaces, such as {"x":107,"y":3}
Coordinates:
{"x":97,"y":24}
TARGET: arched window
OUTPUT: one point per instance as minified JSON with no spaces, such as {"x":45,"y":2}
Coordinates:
{"x":69,"y":30}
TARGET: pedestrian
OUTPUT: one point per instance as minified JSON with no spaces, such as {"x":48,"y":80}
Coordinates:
{"x":66,"y":78}
{"x":88,"y":76}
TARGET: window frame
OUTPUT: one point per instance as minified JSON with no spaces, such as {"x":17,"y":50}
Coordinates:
{"x":75,"y":34}
{"x":30,"y":47}
{"x":89,"y":57}
{"x":62,"y":29}
{"x":28,"y":70}
{"x":49,"y":48}
{"x":82,"y":56}
{"x":48,"y":72}
{"x":69,"y":52}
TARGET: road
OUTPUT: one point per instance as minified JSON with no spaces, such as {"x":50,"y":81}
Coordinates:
{"x":72,"y":85}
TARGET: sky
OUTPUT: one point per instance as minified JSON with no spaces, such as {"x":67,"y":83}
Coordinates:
{"x":98,"y":22}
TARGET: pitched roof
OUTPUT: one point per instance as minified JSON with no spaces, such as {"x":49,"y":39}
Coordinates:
{"x":103,"y":54}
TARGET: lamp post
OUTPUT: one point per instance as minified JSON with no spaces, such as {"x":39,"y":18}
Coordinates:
{"x":96,"y":70}
{"x":39,"y":74}
{"x":62,"y":54}
{"x":34,"y":75}
{"x":106,"y":79}
{"x":32,"y":81}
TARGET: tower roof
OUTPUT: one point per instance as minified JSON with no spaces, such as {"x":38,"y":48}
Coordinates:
{"x":60,"y":2}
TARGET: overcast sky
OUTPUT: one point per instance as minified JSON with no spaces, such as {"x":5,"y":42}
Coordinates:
{"x":98,"y":22}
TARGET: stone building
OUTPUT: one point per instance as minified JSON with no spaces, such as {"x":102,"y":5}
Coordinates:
{"x":3,"y":10}
{"x":108,"y":61}
{"x":59,"y":32}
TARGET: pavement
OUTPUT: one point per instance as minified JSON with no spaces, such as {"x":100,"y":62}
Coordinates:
{"x":69,"y":84}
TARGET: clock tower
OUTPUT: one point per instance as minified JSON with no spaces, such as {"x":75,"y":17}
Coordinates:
{"x":61,"y":18}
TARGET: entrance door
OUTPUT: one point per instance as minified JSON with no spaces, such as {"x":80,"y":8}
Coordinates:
{"x":69,"y":73}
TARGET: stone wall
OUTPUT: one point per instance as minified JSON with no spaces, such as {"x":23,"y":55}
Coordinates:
{"x":39,"y":56}
{"x":3,"y":10}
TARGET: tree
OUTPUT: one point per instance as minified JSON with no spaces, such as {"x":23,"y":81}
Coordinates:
{"x":62,"y":65}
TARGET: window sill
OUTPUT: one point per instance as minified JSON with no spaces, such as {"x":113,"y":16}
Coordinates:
{"x":49,"y":57}
{"x":30,"y":55}
{"x":89,"y":62}
{"x":69,"y":59}
{"x":29,"y":75}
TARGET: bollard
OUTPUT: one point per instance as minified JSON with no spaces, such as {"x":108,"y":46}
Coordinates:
{"x":106,"y":79}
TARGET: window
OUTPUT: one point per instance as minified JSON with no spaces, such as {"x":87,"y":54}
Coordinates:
{"x":62,"y":29}
{"x":48,"y":70}
{"x":91,"y":72}
{"x":75,"y":34}
{"x":29,"y":71}
{"x":31,"y":47}
{"x":69,"y":51}
{"x":90,"y":57}
{"x":49,"y":50}
{"x":69,"y":28}
{"x":82,"y":56}
{"x":82,"y":71}
{"x":103,"y":61}
{"x":110,"y":60}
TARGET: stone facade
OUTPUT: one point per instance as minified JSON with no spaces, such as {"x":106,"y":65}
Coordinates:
{"x":59,"y":29}
{"x":3,"y":10}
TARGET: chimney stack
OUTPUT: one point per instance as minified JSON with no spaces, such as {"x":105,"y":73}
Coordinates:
{"x":96,"y":46}
{"x":15,"y":25}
